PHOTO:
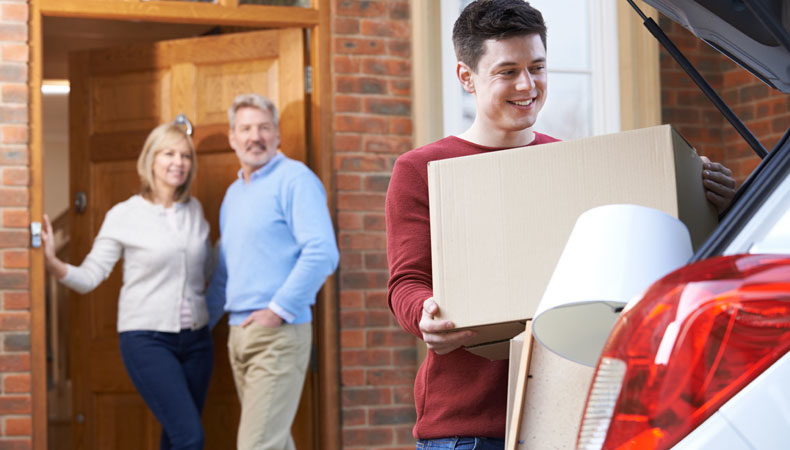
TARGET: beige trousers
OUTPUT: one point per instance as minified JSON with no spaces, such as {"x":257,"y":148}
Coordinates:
{"x":269,"y":367}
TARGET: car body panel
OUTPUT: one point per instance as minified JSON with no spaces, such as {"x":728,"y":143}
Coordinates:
{"x":731,"y":28}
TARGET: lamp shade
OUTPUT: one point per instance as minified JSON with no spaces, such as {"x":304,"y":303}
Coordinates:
{"x":613,"y":254}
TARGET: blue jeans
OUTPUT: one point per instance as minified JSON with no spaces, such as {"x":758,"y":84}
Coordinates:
{"x":461,"y":443}
{"x":171,"y":371}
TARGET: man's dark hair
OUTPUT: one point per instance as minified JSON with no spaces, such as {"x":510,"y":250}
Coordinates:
{"x":493,"y":19}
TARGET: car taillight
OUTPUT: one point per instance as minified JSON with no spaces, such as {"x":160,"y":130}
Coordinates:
{"x":697,"y":337}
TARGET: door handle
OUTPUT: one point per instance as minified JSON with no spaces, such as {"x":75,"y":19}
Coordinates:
{"x":80,"y":202}
{"x":181,"y":119}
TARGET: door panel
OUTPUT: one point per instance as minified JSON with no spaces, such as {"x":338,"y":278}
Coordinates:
{"x":117,"y":97}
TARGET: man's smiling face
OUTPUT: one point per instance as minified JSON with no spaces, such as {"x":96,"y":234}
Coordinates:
{"x":254,"y":137}
{"x":510,"y":83}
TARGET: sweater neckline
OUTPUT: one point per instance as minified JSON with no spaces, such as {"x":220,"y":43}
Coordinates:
{"x":486,"y":148}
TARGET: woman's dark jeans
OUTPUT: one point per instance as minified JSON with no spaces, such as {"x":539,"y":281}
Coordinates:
{"x":461,"y":443}
{"x":171,"y":371}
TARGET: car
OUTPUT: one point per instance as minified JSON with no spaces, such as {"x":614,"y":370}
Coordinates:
{"x":701,"y":361}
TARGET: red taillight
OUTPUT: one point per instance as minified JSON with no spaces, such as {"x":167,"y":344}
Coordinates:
{"x":697,"y":337}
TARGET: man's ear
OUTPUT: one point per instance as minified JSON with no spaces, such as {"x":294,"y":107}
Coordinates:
{"x":464,"y":74}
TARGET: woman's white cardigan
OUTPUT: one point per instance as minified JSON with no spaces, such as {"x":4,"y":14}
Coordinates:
{"x":161,"y":266}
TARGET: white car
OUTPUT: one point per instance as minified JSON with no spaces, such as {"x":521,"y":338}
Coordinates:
{"x":701,"y":361}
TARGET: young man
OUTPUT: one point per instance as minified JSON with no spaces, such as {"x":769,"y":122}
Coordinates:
{"x":501,"y":51}
{"x":277,"y":248}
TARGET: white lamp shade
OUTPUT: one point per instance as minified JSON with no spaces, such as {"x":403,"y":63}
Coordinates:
{"x":613,"y":254}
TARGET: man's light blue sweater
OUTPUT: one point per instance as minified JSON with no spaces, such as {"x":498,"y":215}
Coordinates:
{"x":277,"y":244}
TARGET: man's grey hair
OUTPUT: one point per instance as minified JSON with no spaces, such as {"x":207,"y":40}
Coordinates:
{"x":251,"y":101}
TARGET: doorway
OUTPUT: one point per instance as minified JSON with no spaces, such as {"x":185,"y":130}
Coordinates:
{"x":72,"y":422}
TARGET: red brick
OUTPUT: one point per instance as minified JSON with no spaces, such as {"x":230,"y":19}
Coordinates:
{"x":13,"y":238}
{"x":388,"y":106}
{"x":15,"y":93}
{"x":13,"y":156}
{"x":389,"y":338}
{"x":352,"y":377}
{"x":367,"y":437}
{"x":16,"y":383}
{"x":361,"y":241}
{"x":347,"y":103}
{"x":16,"y":444}
{"x":346,"y":64}
{"x":14,"y":12}
{"x":345,"y":25}
{"x":400,"y":87}
{"x":15,"y":405}
{"x":16,"y":176}
{"x":361,"y":163}
{"x":16,"y":300}
{"x":351,"y":299}
{"x":13,"y":280}
{"x":365,"y":358}
{"x":360,"y":85}
{"x":360,"y":46}
{"x":392,"y":416}
{"x":13,"y":134}
{"x":376,"y":300}
{"x":374,"y":222}
{"x":780,"y":124}
{"x":388,"y":377}
{"x":403,"y":435}
{"x":10,"y":321}
{"x":403,"y":395}
{"x":360,"y":202}
{"x":13,"y":32}
{"x":400,"y":48}
{"x":405,"y":357}
{"x":348,"y":182}
{"x":377,"y":183}
{"x":348,"y":221}
{"x":16,"y":342}
{"x":386,"y":66}
{"x":400,"y":126}
{"x":360,"y":124}
{"x":352,"y":339}
{"x":360,"y":8}
{"x":16,"y":218}
{"x":16,"y":259}
{"x":389,"y":144}
{"x":376,"y":261}
{"x":399,"y":10}
{"x":385,"y":28}
{"x":18,"y":426}
{"x":354,"y":417}
{"x":366,"y":396}
{"x":364,"y":319}
{"x":347,"y":142}
{"x":16,"y":52}
{"x":350,"y":261}
{"x":15,"y":196}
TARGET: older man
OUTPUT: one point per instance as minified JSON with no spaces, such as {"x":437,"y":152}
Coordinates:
{"x":277,"y":247}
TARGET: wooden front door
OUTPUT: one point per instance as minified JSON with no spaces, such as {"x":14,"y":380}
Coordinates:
{"x":117,"y":97}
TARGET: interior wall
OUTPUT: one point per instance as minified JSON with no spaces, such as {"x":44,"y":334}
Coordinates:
{"x":55,"y":109}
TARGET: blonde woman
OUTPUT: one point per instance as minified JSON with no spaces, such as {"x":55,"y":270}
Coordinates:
{"x":162,"y":317}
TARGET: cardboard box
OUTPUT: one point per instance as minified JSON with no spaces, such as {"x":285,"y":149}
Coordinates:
{"x":500,"y":220}
{"x":556,"y":392}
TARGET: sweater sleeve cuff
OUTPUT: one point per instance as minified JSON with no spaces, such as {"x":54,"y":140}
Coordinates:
{"x":285,"y":315}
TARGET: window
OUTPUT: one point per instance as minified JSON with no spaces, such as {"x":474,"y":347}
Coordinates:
{"x":582,"y":46}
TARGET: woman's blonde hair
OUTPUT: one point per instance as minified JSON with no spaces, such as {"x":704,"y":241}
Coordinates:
{"x":159,"y":139}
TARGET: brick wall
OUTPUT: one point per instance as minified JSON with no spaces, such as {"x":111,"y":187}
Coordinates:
{"x":15,"y":399}
{"x":765,"y":111}
{"x":372,"y":126}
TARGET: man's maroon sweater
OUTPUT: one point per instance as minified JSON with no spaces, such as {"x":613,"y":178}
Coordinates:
{"x":457,"y":394}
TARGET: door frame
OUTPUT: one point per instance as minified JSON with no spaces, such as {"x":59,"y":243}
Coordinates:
{"x":317,"y":19}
